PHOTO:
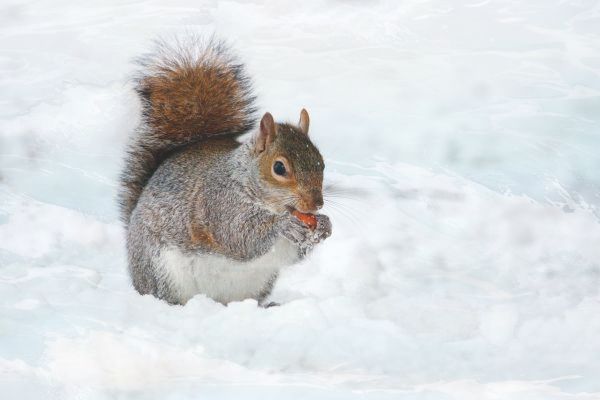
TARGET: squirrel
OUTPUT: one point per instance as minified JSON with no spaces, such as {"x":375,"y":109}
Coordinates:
{"x":204,"y":212}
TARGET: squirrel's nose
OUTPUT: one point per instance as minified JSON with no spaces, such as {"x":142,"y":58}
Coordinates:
{"x":311,"y":201}
{"x":318,"y":199}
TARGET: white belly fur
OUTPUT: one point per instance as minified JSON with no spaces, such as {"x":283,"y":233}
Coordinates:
{"x":220,"y":278}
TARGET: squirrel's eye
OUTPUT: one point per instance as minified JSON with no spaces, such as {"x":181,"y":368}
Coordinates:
{"x":279,"y":168}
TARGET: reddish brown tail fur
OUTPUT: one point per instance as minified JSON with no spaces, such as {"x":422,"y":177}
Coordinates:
{"x":190,"y":89}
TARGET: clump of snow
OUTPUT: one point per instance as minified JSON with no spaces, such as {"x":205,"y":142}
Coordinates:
{"x":458,"y":138}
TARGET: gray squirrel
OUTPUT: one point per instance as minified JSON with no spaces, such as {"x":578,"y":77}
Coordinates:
{"x":205,"y":213}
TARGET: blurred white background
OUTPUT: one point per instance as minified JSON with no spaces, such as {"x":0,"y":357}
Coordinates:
{"x":470,"y":269}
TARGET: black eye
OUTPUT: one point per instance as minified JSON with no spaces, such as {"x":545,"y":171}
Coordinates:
{"x":279,"y":168}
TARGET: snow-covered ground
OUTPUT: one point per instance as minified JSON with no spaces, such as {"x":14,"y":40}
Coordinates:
{"x":465,"y":260}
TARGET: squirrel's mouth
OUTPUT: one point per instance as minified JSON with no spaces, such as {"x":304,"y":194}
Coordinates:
{"x":293,"y":210}
{"x":308,"y":219}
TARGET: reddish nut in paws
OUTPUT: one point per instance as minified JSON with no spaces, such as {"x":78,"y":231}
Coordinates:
{"x":307,"y":219}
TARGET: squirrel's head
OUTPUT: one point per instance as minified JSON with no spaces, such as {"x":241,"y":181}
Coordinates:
{"x":290,"y":165}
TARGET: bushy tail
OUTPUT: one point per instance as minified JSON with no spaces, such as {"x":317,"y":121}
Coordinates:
{"x":190,"y":89}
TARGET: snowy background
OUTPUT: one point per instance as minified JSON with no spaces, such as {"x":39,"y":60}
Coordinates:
{"x":465,"y":260}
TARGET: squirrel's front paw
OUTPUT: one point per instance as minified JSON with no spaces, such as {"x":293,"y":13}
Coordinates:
{"x":296,"y":232}
{"x":323,"y":229}
{"x":299,"y":233}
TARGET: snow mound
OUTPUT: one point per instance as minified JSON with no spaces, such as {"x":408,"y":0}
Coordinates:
{"x":431,"y":285}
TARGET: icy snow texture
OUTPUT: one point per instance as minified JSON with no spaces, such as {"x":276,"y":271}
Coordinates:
{"x":465,"y":265}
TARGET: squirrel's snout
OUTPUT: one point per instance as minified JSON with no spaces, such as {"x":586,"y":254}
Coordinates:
{"x":318,"y":200}
{"x":311,"y":202}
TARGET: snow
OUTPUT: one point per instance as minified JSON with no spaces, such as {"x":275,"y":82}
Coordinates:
{"x":464,"y":262}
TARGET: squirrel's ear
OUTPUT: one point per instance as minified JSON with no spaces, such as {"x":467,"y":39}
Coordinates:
{"x":266,"y":133}
{"x":304,"y":121}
